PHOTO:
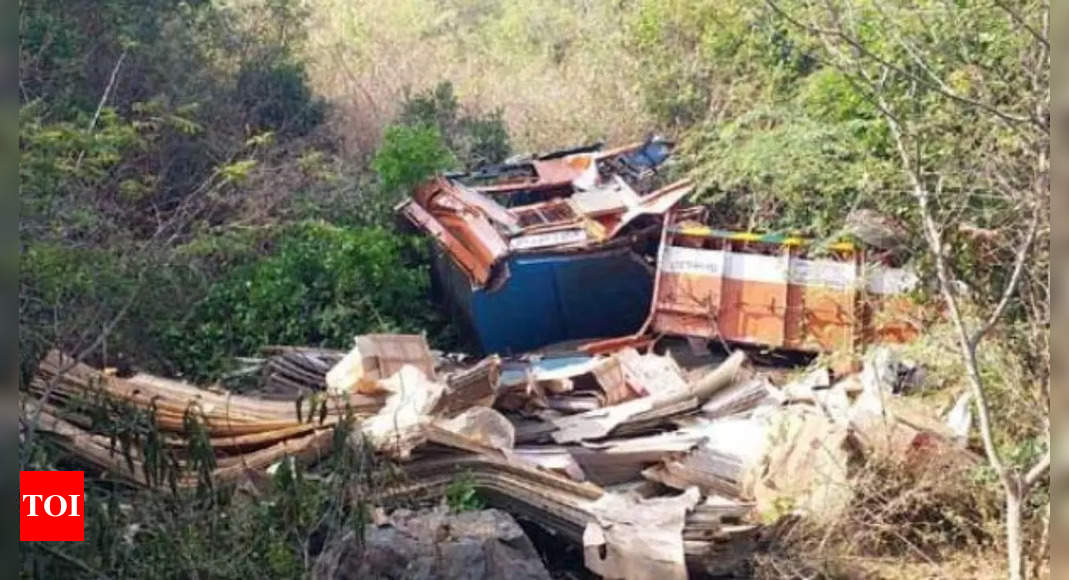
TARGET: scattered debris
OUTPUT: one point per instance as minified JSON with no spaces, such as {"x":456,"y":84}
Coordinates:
{"x":484,"y":426}
{"x":245,"y":432}
{"x":291,"y":372}
{"x":637,"y":538}
{"x":473,"y":387}
{"x":959,"y":418}
{"x":741,"y":450}
{"x":805,"y":467}
{"x":742,"y":396}
{"x":653,"y":468}
{"x":379,"y":356}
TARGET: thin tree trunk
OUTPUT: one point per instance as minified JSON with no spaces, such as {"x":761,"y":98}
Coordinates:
{"x":1014,"y":544}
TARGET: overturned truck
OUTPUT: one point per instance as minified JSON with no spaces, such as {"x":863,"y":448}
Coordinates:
{"x":593,"y":244}
{"x":557,"y":248}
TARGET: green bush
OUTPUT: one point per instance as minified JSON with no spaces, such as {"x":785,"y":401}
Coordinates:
{"x":777,"y":169}
{"x":475,"y":139}
{"x":409,"y":155}
{"x":322,"y":286}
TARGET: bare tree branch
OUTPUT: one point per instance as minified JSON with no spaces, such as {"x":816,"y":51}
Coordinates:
{"x":1037,"y":472}
{"x":1041,"y":38}
{"x":107,"y":91}
{"x":860,"y":48}
{"x":103,"y":101}
{"x":1011,"y":286}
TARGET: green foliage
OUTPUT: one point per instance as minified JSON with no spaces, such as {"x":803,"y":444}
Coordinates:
{"x":775,"y":170}
{"x":321,"y":286}
{"x":182,"y":88}
{"x":409,"y":155}
{"x":461,"y":495}
{"x":475,"y":139}
{"x":212,"y":530}
{"x":700,"y":58}
{"x":130,"y":215}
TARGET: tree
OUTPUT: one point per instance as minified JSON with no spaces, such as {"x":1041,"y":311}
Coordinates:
{"x":964,"y":91}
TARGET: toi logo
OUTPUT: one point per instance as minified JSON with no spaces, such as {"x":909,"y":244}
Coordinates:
{"x":51,"y":506}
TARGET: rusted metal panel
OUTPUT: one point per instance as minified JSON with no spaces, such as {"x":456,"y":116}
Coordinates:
{"x":894,"y":315}
{"x":477,"y":270}
{"x":477,"y":235}
{"x":822,"y":301}
{"x":550,"y":174}
{"x":476,"y":200}
{"x":548,"y":213}
{"x":460,"y":220}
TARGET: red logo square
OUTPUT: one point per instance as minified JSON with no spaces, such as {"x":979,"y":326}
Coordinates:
{"x":51,"y":506}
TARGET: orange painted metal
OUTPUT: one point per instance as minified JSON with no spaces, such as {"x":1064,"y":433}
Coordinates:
{"x":609,"y":345}
{"x":460,"y":221}
{"x":768,"y":294}
{"x":478,"y":270}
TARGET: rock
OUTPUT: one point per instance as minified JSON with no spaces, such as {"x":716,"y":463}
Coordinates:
{"x":477,"y":545}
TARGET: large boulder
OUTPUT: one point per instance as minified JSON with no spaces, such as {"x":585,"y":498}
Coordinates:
{"x":476,"y":545}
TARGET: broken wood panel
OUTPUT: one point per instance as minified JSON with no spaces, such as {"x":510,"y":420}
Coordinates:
{"x":474,"y":264}
{"x":476,"y":386}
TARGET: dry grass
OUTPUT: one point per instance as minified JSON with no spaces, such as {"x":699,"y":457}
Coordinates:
{"x":557,"y":69}
{"x":927,"y":517}
{"x":916,"y":515}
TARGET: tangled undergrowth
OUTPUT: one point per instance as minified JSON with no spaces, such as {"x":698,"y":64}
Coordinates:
{"x":268,"y":526}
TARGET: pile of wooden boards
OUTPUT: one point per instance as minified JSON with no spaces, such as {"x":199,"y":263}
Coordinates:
{"x":581,"y":444}
{"x":94,"y":416}
{"x":289,"y":372}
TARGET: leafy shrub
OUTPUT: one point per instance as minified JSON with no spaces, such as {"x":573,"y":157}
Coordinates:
{"x":322,"y":286}
{"x":409,"y":155}
{"x":775,"y":169}
{"x":475,"y":139}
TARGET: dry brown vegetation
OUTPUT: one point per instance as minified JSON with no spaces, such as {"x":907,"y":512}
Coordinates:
{"x":556,"y":69}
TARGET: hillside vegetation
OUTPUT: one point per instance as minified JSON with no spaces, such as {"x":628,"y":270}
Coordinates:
{"x":200,"y":179}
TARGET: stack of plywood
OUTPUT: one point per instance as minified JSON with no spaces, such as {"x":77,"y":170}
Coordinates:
{"x":698,"y":457}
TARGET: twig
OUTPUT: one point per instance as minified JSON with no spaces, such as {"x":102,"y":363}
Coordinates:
{"x":100,"y":105}
{"x":862,"y":50}
{"x":1016,"y":16}
{"x":1012,"y":285}
{"x":31,"y":426}
{"x":1037,"y":472}
{"x":107,"y":91}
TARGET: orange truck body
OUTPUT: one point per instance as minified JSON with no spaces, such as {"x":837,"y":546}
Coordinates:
{"x":763,"y":290}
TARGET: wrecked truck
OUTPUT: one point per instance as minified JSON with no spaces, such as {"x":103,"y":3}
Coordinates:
{"x":552,"y":249}
{"x":590,"y":244}
{"x":777,"y":291}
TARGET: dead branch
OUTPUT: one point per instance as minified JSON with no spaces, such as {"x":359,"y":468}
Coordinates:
{"x":100,"y":105}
